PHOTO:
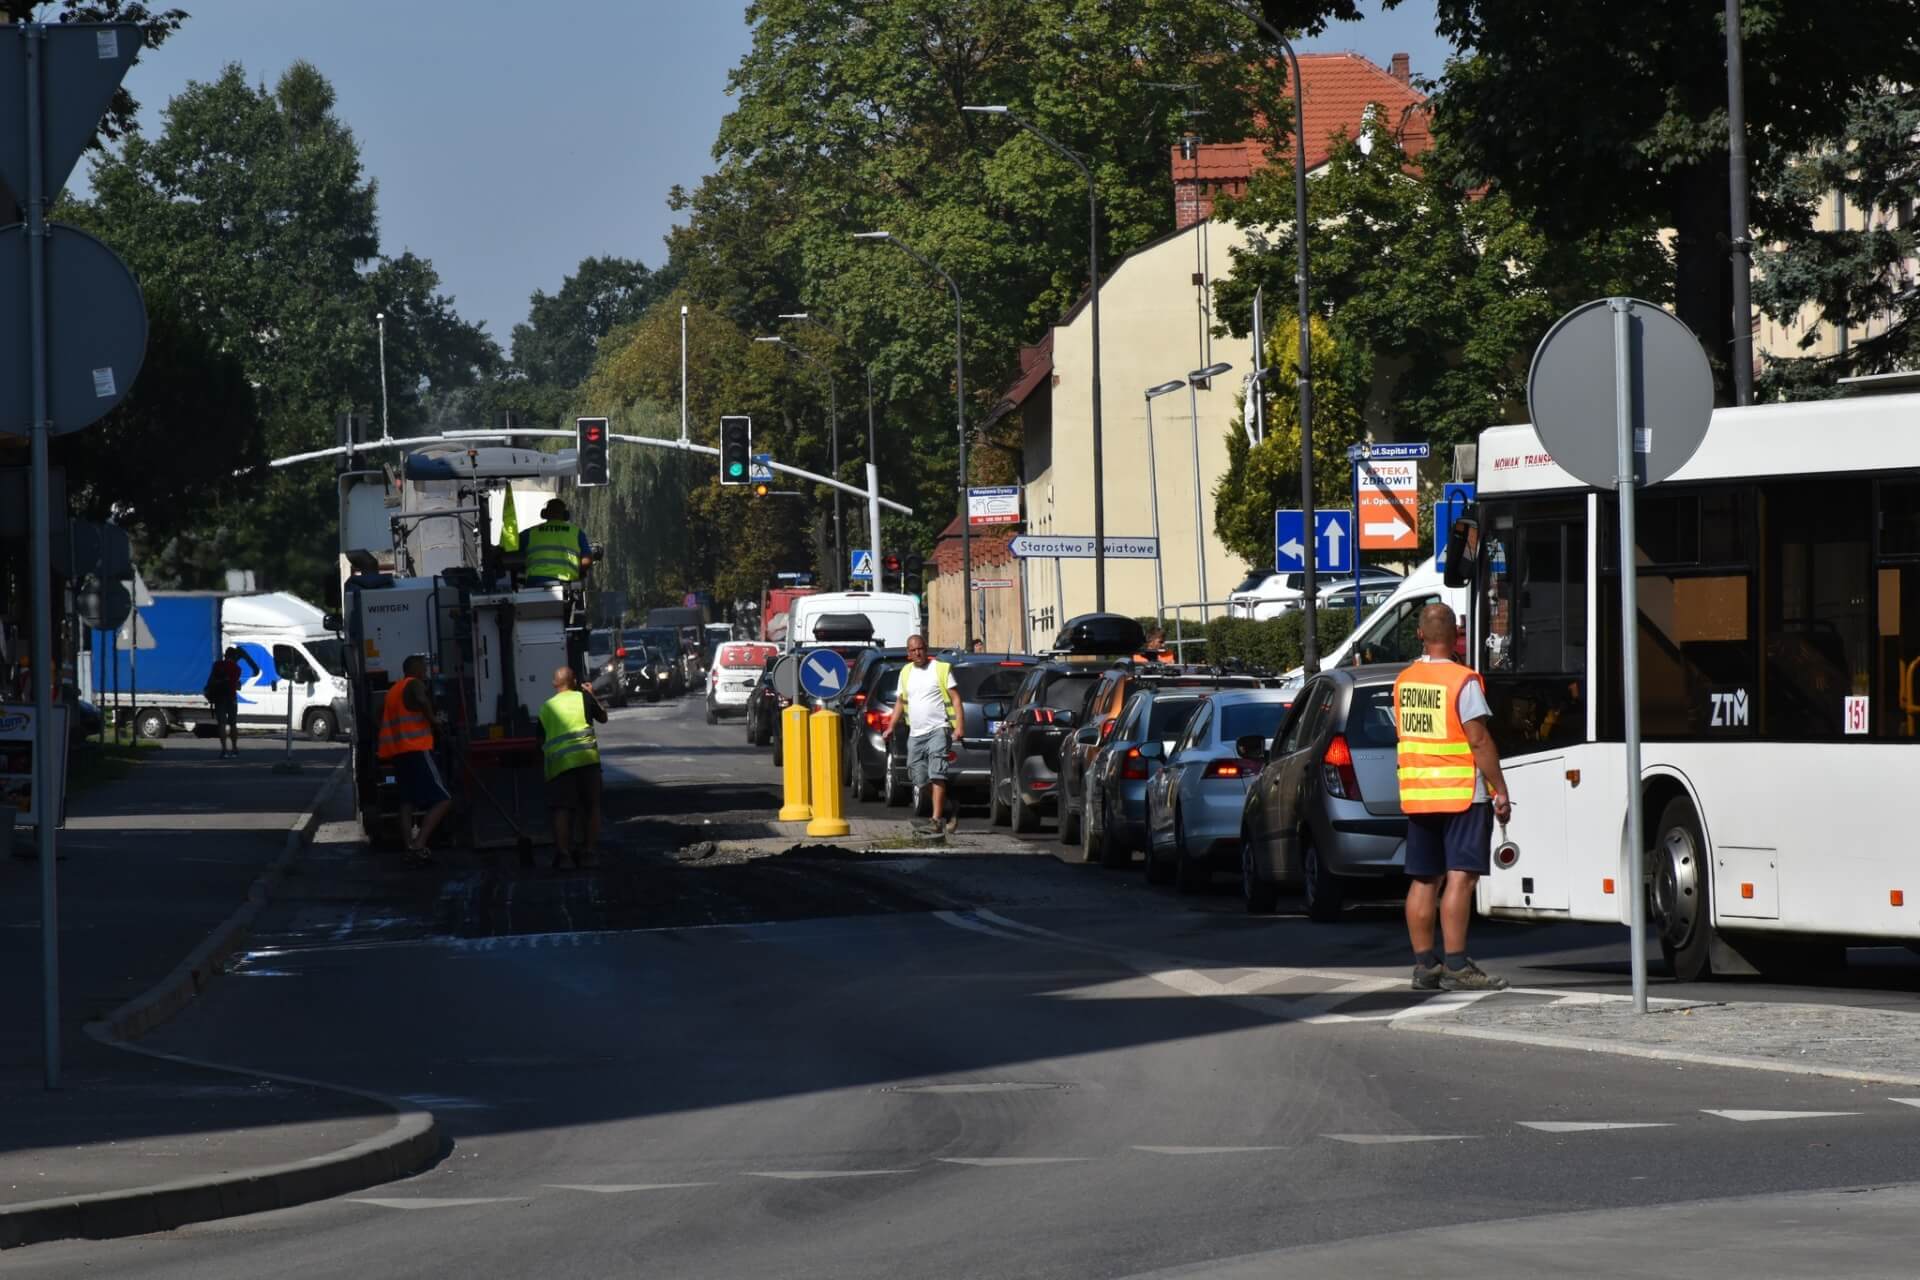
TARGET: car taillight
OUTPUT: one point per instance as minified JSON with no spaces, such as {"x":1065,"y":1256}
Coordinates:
{"x":1107,"y":727}
{"x":1336,"y":770}
{"x":619,"y":653}
{"x":858,"y":699}
{"x":1228,"y":769}
{"x":1133,"y":765}
{"x":876,"y":720}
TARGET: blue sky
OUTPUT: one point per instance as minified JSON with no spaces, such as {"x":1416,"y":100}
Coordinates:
{"x":508,"y":148}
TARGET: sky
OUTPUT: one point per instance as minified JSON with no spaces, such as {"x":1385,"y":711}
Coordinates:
{"x":507,"y":149}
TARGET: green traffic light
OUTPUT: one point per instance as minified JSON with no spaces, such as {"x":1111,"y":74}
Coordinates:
{"x":734,"y":468}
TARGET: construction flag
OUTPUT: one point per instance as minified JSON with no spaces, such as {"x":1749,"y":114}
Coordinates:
{"x":509,"y":524}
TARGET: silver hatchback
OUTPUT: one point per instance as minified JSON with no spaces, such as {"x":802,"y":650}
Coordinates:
{"x":1324,"y":814}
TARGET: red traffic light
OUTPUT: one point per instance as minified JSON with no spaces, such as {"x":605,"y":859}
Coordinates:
{"x":593,"y":432}
{"x":892,"y":563}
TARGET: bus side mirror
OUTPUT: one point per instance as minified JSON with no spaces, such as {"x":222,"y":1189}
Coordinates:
{"x":1463,"y":546}
{"x":332,"y":622}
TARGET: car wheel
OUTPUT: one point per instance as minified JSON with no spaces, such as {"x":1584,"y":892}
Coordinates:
{"x":1092,"y":846}
{"x":1680,"y":906}
{"x":1159,"y":870}
{"x":1114,"y":851}
{"x":712,"y":718}
{"x":320,"y":726}
{"x":1261,"y":895}
{"x":1190,"y":874}
{"x":997,"y":813}
{"x":922,"y":801}
{"x":779,"y":742}
{"x":151,"y":724}
{"x":1070,"y":824}
{"x":1021,"y":813}
{"x":865,"y":789}
{"x":1324,"y":895}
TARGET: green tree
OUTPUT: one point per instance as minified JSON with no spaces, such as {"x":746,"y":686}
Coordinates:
{"x":1263,"y":478}
{"x":556,"y":345}
{"x":1859,"y":277}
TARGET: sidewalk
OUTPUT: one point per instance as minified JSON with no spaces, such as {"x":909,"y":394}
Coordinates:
{"x":150,"y":865}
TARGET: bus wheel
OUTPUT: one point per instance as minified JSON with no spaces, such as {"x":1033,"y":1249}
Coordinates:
{"x":1681,"y":899}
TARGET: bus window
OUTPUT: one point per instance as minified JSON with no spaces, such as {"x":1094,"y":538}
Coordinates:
{"x":1814,"y":615}
{"x":1396,"y":637}
{"x":1533,"y":615}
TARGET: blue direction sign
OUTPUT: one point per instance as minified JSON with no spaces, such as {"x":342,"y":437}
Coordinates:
{"x":1334,"y":553}
{"x":1388,"y":452}
{"x":823,"y":673}
{"x":1454,"y":500}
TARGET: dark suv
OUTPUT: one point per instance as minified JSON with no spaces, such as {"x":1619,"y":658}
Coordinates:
{"x":1025,"y":764}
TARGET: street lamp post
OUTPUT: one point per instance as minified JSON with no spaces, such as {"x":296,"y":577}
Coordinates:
{"x":873,"y":458}
{"x":1310,"y":640}
{"x":1194,"y":380}
{"x":959,"y":415}
{"x":381,"y":316}
{"x":1737,"y":210}
{"x":1153,"y":499}
{"x":1093,"y":293}
{"x":833,"y":430}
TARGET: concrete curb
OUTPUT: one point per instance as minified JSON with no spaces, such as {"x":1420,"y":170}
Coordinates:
{"x":412,"y":1143}
{"x":208,"y":960}
{"x":1433,"y":1027}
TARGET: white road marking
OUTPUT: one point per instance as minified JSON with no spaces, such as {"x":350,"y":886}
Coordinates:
{"x":1906,"y":1102}
{"x":1382,"y":1139}
{"x":805,"y":1175}
{"x":1007,"y":1162}
{"x":614,"y":1188}
{"x":1744,"y":1115}
{"x":428,"y":1202}
{"x":1586,"y":1126}
{"x":1203,"y":1151}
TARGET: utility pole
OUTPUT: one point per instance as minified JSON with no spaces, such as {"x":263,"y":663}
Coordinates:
{"x":1738,"y":241}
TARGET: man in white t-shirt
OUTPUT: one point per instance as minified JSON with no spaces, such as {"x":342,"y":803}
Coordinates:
{"x":929,"y":701}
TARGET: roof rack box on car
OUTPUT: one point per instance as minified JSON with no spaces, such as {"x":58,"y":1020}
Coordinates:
{"x":843,"y":628}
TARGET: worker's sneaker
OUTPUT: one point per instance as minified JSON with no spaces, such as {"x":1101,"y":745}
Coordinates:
{"x":925,"y":827}
{"x":1427,"y":977}
{"x":1470,"y":977}
{"x":953,"y":824}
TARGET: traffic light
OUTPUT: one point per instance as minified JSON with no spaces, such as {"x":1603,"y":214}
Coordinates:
{"x":760,"y":491}
{"x":590,"y":451}
{"x":889,"y":568}
{"x":912,"y":571}
{"x":736,"y":449}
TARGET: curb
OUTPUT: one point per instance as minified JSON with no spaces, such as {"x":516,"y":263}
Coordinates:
{"x":208,"y":960}
{"x":412,"y":1143}
{"x":1427,"y":1026}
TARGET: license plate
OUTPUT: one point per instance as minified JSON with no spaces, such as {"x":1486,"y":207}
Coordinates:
{"x":993,"y":727}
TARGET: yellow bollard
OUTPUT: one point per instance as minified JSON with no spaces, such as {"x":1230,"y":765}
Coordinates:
{"x":827,"y":821}
{"x":793,"y":758}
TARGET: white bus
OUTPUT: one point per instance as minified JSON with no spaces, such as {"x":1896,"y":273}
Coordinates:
{"x":1779,"y":633}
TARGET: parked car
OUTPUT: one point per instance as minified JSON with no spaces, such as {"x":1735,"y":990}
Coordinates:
{"x":1266,"y":594}
{"x":763,"y":707}
{"x":730,"y":679}
{"x":987,"y":684}
{"x":1195,"y":801}
{"x":1324,"y":812}
{"x":1023,"y":769}
{"x":868,"y":726}
{"x":852,"y":702}
{"x":1339,"y":594}
{"x":1114,"y":793}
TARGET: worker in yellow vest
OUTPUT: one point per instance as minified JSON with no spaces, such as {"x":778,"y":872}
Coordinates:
{"x":406,"y":743}
{"x":557,"y":549}
{"x":572,"y":756}
{"x":1451,"y":790}
{"x":928,"y":702}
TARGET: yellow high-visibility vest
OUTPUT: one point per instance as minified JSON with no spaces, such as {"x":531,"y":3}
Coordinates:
{"x":553,"y":551}
{"x":570,"y":743}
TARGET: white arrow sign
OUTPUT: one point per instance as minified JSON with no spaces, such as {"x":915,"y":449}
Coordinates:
{"x":1395,"y":528}
{"x":827,"y":678}
{"x":1293,"y":548}
{"x":1331,"y":533}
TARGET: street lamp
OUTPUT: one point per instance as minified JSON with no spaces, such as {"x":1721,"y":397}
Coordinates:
{"x":959,"y":415}
{"x":873,"y":458}
{"x":381,"y":316}
{"x":1194,"y":380}
{"x":1310,"y":641}
{"x":833,"y":415}
{"x":1153,"y":499}
{"x":1093,"y":290}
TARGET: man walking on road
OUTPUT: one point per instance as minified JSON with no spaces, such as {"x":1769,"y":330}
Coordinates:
{"x":223,"y":692}
{"x":930,"y":701}
{"x":1449,"y":770}
{"x":573,"y":765}
{"x":407,"y":719}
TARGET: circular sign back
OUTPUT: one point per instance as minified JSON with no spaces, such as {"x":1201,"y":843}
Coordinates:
{"x":96,"y":330}
{"x":786,"y":677}
{"x":1570,"y":392}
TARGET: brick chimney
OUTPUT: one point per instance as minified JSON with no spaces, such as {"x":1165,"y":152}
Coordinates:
{"x":1401,"y":69}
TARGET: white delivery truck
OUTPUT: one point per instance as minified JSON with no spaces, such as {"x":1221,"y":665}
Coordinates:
{"x":164,"y":686}
{"x":1391,"y":632}
{"x":894,"y":617}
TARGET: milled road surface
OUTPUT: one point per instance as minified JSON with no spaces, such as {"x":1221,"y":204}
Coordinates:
{"x":987,"y":1064}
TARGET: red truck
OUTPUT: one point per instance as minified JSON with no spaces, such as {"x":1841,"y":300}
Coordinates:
{"x":775,"y":602}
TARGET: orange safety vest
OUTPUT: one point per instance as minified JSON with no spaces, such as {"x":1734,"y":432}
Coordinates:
{"x":1436,"y":763}
{"x":402,"y":729}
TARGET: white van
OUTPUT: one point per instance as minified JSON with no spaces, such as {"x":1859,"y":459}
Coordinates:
{"x":894,"y":617}
{"x":1391,"y":632}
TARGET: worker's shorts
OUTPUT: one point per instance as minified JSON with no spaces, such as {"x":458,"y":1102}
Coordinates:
{"x":226,"y":712}
{"x":1441,"y":842}
{"x":927,"y":757}
{"x":418,"y":775}
{"x":575,"y":789}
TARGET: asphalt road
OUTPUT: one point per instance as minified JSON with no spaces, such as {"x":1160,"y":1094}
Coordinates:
{"x":987,"y":1064}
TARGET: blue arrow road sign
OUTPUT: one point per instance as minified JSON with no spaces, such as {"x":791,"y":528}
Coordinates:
{"x":823,"y":673}
{"x":1454,"y":499}
{"x":862,"y":566}
{"x":1334,"y":553}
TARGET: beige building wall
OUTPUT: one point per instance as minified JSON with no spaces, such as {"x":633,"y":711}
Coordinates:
{"x":1772,"y":340}
{"x":1153,"y":330}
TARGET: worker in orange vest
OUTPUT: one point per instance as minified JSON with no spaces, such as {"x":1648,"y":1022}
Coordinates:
{"x":1155,"y":649}
{"x":406,"y":742}
{"x":1451,"y":790}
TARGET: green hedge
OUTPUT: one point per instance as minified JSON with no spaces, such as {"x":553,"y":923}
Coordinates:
{"x":1272,"y":644}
